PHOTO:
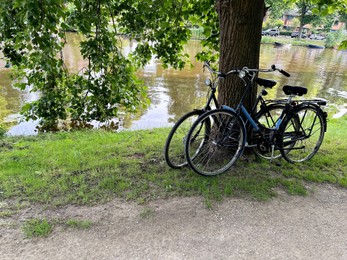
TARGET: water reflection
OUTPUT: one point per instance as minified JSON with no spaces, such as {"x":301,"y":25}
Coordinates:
{"x":174,"y":93}
{"x":10,"y":98}
{"x":318,"y":70}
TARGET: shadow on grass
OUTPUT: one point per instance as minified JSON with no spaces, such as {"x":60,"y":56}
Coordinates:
{"x":92,"y":167}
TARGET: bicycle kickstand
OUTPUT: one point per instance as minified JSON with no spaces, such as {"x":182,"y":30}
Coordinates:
{"x":272,"y":153}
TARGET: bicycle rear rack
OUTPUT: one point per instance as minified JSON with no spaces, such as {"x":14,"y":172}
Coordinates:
{"x":317,"y":101}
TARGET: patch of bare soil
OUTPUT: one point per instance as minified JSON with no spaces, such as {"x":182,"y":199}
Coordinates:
{"x":287,"y":227}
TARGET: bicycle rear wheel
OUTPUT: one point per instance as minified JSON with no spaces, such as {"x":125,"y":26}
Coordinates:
{"x":301,"y":134}
{"x":215,"y":141}
{"x":174,"y":146}
{"x":267,"y":117}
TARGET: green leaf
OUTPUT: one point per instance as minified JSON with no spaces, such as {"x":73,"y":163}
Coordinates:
{"x":343,"y":45}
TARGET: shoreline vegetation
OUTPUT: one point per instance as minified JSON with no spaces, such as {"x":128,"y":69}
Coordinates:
{"x":294,"y":42}
{"x":95,"y":166}
{"x":197,"y":34}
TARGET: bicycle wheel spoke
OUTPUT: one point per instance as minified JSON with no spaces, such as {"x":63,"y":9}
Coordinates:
{"x":220,"y":144}
{"x":302,"y":135}
{"x":201,"y":156}
{"x":174,"y":147}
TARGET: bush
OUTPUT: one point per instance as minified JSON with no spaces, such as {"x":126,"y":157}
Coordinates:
{"x":2,"y":131}
{"x":334,"y":39}
{"x":197,"y":32}
{"x":285,"y":33}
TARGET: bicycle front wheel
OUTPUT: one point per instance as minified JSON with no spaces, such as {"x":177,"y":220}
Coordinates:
{"x":215,"y":141}
{"x":301,"y":134}
{"x":174,"y":146}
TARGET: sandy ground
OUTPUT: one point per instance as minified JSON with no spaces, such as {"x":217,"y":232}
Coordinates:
{"x":287,"y":227}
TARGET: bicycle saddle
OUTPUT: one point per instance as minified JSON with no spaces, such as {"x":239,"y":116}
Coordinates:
{"x":267,"y":83}
{"x":294,"y":90}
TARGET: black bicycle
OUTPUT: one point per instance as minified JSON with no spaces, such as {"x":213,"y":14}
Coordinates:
{"x":174,"y":146}
{"x":292,"y":129}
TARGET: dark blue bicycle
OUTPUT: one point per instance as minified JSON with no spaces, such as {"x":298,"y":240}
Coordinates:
{"x":267,"y":114}
{"x":218,"y":137}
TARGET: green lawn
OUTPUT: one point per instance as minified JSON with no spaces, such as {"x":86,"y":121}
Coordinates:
{"x":294,"y":41}
{"x":88,"y":167}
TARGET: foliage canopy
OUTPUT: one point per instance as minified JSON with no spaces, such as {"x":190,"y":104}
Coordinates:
{"x":32,"y":37}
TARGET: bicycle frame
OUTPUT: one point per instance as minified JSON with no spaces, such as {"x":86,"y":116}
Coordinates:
{"x":249,"y":119}
{"x":254,"y":122}
{"x":248,"y":76}
{"x":278,"y":126}
{"x":211,"y":98}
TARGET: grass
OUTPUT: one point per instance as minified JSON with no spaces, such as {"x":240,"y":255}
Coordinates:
{"x":147,"y":213}
{"x":79,"y":224}
{"x":287,"y":40}
{"x":37,"y":228}
{"x":42,"y":227}
{"x":91,"y":167}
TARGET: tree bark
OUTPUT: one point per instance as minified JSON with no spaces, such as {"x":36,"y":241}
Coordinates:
{"x":240,"y":36}
{"x":302,"y":16}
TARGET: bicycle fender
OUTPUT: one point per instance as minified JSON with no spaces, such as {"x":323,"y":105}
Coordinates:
{"x":228,"y":108}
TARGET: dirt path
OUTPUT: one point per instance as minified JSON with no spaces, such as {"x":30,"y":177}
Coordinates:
{"x":288,"y":227}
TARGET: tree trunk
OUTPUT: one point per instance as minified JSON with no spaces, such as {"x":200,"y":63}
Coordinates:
{"x":302,"y":16}
{"x":240,"y":35}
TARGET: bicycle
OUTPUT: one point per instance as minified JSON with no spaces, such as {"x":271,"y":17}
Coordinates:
{"x":218,"y":137}
{"x":174,"y":147}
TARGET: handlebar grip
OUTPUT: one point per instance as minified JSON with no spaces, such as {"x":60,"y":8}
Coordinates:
{"x":284,"y":73}
{"x":273,"y":67}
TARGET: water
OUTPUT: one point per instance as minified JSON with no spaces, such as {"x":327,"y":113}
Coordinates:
{"x":174,"y":93}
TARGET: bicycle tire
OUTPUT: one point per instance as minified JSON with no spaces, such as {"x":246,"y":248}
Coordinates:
{"x":174,"y":146}
{"x":302,"y":133}
{"x":214,"y":150}
{"x":267,"y":117}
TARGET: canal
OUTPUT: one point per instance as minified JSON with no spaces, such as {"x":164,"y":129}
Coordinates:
{"x":173,"y":93}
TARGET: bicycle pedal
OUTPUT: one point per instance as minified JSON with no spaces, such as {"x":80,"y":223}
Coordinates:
{"x":250,"y":145}
{"x":278,"y":164}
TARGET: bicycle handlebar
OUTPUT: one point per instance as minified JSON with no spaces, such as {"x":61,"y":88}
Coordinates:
{"x":244,"y":69}
{"x":281,"y":71}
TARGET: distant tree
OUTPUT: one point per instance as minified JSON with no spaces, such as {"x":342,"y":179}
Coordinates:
{"x":276,"y":8}
{"x":326,"y":7}
{"x":342,"y":17}
{"x":318,"y":11}
{"x":295,"y":22}
{"x":305,"y":7}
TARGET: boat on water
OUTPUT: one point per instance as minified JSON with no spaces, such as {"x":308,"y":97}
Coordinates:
{"x":313,"y":46}
{"x":279,"y":44}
